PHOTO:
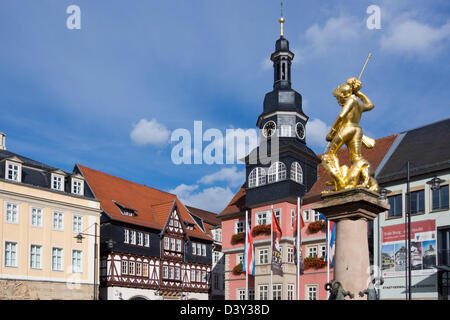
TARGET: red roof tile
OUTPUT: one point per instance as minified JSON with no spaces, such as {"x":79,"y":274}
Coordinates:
{"x":237,"y":204}
{"x":153,"y":206}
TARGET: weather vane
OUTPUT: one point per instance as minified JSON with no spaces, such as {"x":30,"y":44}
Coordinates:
{"x":281,"y":19}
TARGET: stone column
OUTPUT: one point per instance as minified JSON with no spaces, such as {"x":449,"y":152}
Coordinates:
{"x":351,"y":210}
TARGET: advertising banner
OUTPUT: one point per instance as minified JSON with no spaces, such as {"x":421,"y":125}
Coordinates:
{"x":423,"y":249}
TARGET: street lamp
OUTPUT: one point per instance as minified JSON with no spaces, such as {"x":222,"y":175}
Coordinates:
{"x":80,"y":238}
{"x":435,"y":183}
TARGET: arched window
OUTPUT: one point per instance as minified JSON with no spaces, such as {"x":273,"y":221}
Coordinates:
{"x":296,"y":172}
{"x":257,"y":177}
{"x":277,"y":172}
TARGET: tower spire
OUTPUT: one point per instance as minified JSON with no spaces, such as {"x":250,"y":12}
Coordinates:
{"x":281,"y":20}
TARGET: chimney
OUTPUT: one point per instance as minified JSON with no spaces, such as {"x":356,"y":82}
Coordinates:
{"x":2,"y":141}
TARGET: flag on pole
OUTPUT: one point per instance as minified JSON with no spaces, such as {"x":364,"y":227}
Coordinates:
{"x":331,"y":246}
{"x":249,"y":253}
{"x":276,"y":249}
{"x":298,"y":247}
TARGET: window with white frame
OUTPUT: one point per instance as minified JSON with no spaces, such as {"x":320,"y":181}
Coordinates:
{"x":296,"y":172}
{"x":172,"y":244}
{"x":241,"y":294}
{"x":277,"y":172}
{"x":177,"y":273}
{"x":311,"y":292}
{"x":199,"y":249}
{"x":76,"y":261}
{"x":77,"y":186}
{"x":57,"y":259}
{"x":166,"y":243}
{"x":251,"y":294}
{"x":36,"y":217}
{"x":216,"y":257}
{"x":312,"y":251}
{"x":77,"y":224}
{"x":290,"y":255}
{"x":263,"y":256}
{"x":292,"y":218}
{"x":126,"y":236}
{"x":263,"y":217}
{"x":124,"y":267}
{"x":323,"y":250}
{"x":239,"y":226}
{"x":57,"y":182}
{"x":12,"y":213}
{"x":257,"y":177}
{"x":240,"y":258}
{"x":203,"y":276}
{"x":147,"y":240}
{"x":13,"y":171}
{"x":277,"y":213}
{"x":290,"y":292}
{"x":133,"y":237}
{"x":11,"y":254}
{"x":35,"y":256}
{"x":277,"y":291}
{"x":204,"y":250}
{"x":263,"y":290}
{"x":165,"y":272}
{"x":192,"y":275}
{"x":306,"y":215}
{"x":315,"y":216}
{"x":140,"y":239}
{"x":194,"y":249}
{"x":138,"y":268}
{"x":198,"y":275}
{"x":131,"y":266}
{"x":58,"y":220}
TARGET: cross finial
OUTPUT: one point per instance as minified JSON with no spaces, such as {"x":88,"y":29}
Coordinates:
{"x":281,"y":19}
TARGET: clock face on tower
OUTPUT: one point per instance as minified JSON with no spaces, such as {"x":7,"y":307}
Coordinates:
{"x":300,"y":130}
{"x":269,"y":129}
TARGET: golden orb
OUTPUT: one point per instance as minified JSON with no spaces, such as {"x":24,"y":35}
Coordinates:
{"x":281,"y":20}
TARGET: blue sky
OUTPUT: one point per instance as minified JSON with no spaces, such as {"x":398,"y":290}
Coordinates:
{"x":75,"y":96}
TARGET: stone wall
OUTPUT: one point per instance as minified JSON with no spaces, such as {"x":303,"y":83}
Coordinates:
{"x":41,"y":290}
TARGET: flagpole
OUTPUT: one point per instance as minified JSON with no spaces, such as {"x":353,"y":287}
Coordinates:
{"x":298,"y":248}
{"x":328,"y":255}
{"x":246,"y":254}
{"x":271,"y":253}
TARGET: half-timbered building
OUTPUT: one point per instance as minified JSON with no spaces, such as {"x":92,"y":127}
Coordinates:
{"x":151,"y":246}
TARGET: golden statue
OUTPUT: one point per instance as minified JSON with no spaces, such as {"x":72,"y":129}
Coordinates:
{"x":346,"y":130}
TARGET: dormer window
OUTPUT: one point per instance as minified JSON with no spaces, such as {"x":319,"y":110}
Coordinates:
{"x":57,"y":182}
{"x":77,"y":186}
{"x":126,"y":210}
{"x":13,"y":171}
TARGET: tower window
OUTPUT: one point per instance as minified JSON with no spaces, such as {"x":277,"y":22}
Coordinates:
{"x":296,"y":172}
{"x":283,"y":70}
{"x":257,"y":177}
{"x":277,"y":172}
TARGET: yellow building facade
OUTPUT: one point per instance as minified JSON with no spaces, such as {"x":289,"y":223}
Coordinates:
{"x":41,"y":257}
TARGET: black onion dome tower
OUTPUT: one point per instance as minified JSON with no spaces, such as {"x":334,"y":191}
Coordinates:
{"x":284,"y":118}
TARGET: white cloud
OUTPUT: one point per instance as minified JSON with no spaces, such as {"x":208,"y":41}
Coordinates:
{"x":316,"y":131}
{"x":410,"y":36}
{"x":342,"y":29}
{"x":231,"y":175}
{"x":149,"y":132}
{"x":212,"y":199}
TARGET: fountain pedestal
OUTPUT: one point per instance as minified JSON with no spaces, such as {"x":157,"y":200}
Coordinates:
{"x":351,"y":210}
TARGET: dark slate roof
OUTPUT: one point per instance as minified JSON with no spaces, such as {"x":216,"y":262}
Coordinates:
{"x":427,"y":149}
{"x":35,"y":173}
{"x":4,"y":154}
